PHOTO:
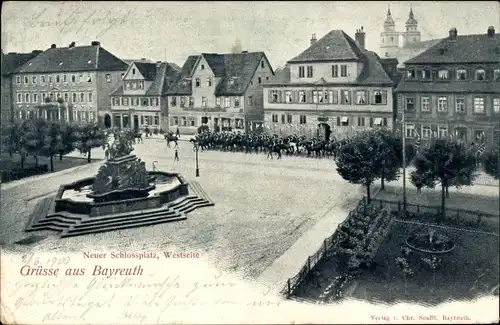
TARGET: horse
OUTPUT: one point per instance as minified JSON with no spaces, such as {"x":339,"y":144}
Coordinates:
{"x":138,"y":137}
{"x":170,"y":137}
{"x":275,"y":148}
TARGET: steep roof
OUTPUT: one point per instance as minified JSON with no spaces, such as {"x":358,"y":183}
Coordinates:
{"x":165,"y":75}
{"x":282,"y":74}
{"x":73,"y":59}
{"x":129,"y":61}
{"x":13,"y":60}
{"x":238,"y":67}
{"x":148,"y":70}
{"x":464,"y":49}
{"x":334,"y":46}
{"x":373,"y":72}
{"x":447,"y":87}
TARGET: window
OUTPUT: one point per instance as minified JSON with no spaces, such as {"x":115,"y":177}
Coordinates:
{"x":274,"y":118}
{"x":322,"y":96}
{"x":135,"y":101}
{"x":283,"y":119}
{"x":461,"y":74}
{"x":154,"y":101}
{"x":262,"y":64}
{"x":217,"y":101}
{"x":410,"y":130}
{"x":343,"y":70}
{"x":259,"y":80}
{"x":335,"y":71}
{"x":156,"y":120}
{"x":411,"y":75}
{"x":26,"y":80}
{"x":302,"y":96}
{"x":75,"y":99}
{"x":173,"y":101}
{"x":426,"y":132}
{"x":89,"y":78}
{"x":108,"y":77}
{"x":51,"y":96}
{"x":209,"y":82}
{"x":289,"y":118}
{"x":73,"y":78}
{"x":480,"y":74}
{"x":33,"y":79}
{"x":385,"y":121}
{"x":426,"y":74}
{"x":443,"y":75}
{"x":425,"y":104}
{"x":203,"y":102}
{"x":309,"y":71}
{"x":315,"y":96}
{"x":133,"y":70}
{"x":346,"y":97}
{"x":18,"y":80}
{"x":378,"y":97}
{"x":91,"y":116}
{"x":197,"y":82}
{"x":125,"y":101}
{"x":478,"y":105}
{"x":250,"y":101}
{"x":460,"y":105}
{"x":19,"y":97}
{"x":443,"y":131}
{"x":82,"y":97}
{"x":202,"y":67}
{"x":230,"y":82}
{"x":183,"y":121}
{"x":361,"y":97}
{"x":49,"y":79}
{"x":361,"y":121}
{"x":141,"y":84}
{"x":344,"y":121}
{"x":442,"y":104}
{"x":26,"y":98}
{"x":410,"y":103}
{"x":227,"y":102}
{"x":43,"y":96}
{"x":122,"y":75}
{"x":191,"y":101}
{"x":65,"y":78}
{"x":90,"y":99}
{"x":42,"y":79}
{"x":302,"y":119}
{"x":496,"y":105}
{"x":58,"y":78}
{"x":496,"y":74}
{"x":66,"y":97}
{"x":274,"y":96}
{"x":301,"y":72}
{"x":236,"y":102}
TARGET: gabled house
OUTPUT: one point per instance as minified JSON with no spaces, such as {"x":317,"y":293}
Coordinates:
{"x":141,"y":98}
{"x":335,"y":86}
{"x":221,"y":91}
{"x":10,"y":62}
{"x":67,"y":83}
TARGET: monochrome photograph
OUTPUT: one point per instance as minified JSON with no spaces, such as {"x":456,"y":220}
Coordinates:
{"x":324,"y":152}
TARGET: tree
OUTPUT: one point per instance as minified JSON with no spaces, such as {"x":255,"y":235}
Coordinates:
{"x":67,"y":132}
{"x":35,"y":131}
{"x":359,"y":160}
{"x":237,"y":48}
{"x":490,"y":162}
{"x":11,"y":137}
{"x":53,"y":142}
{"x":391,"y":154}
{"x":89,"y":136}
{"x":448,"y":162}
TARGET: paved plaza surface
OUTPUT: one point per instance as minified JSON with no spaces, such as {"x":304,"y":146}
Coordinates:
{"x":269,"y":215}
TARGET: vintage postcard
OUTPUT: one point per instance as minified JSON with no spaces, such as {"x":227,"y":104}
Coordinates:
{"x":250,"y":162}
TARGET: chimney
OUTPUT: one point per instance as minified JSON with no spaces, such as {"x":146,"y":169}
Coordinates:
{"x":360,"y":38}
{"x":95,"y":43}
{"x":491,"y":31}
{"x":72,"y":44}
{"x":53,"y":46}
{"x":313,"y":39}
{"x":453,"y":33}
{"x":244,"y":51}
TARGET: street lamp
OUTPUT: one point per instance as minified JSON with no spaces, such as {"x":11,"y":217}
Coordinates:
{"x":197,"y":168}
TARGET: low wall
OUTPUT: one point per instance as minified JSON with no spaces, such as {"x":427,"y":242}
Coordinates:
{"x":20,"y":173}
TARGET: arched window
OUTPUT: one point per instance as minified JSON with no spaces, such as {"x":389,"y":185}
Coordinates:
{"x":480,"y":74}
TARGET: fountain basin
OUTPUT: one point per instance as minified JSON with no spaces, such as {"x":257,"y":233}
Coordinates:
{"x":420,"y":242}
{"x":77,"y":197}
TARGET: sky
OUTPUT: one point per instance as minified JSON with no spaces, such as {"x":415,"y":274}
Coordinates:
{"x":172,"y":31}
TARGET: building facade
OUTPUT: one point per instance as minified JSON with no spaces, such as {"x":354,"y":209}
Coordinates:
{"x":141,"y":99}
{"x":10,"y":62}
{"x":402,"y":45}
{"x":69,"y":83}
{"x":452,"y":89}
{"x":335,"y":86}
{"x":221,"y":91}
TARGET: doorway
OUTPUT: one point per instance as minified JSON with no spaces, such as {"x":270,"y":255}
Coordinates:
{"x":107,"y":121}
{"x":324,"y":131}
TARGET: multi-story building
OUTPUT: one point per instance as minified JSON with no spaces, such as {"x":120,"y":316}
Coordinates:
{"x":335,"y":85}
{"x":141,"y":99}
{"x":453,"y":88}
{"x":69,"y":83}
{"x":402,"y":45}
{"x":10,"y":62}
{"x":222,"y":91}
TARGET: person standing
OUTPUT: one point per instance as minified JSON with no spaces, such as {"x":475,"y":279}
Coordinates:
{"x":176,"y":155}
{"x":178,"y":133}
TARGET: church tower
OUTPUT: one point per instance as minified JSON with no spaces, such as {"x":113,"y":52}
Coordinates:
{"x":412,"y":35}
{"x":389,"y":38}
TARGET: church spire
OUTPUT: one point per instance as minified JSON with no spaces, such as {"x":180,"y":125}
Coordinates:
{"x":411,"y":18}
{"x":388,"y":20}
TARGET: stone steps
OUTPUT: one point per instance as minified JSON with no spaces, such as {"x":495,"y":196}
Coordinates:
{"x":41,"y":209}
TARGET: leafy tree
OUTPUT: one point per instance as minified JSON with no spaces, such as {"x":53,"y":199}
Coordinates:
{"x":53,"y":142}
{"x":448,"y":162}
{"x":11,"y":137}
{"x":88,"y":136}
{"x":490,"y":162}
{"x":391,"y":154}
{"x":359,"y":160}
{"x":35,"y":130}
{"x":67,"y":132}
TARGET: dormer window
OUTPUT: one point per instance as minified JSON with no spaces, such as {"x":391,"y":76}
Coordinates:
{"x":461,"y":74}
{"x":89,"y":61}
{"x":496,"y":74}
{"x":443,"y":75}
{"x":411,"y":75}
{"x":230,"y":82}
{"x":184,"y":82}
{"x":202,"y":67}
{"x":426,"y":75}
{"x":480,"y":74}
